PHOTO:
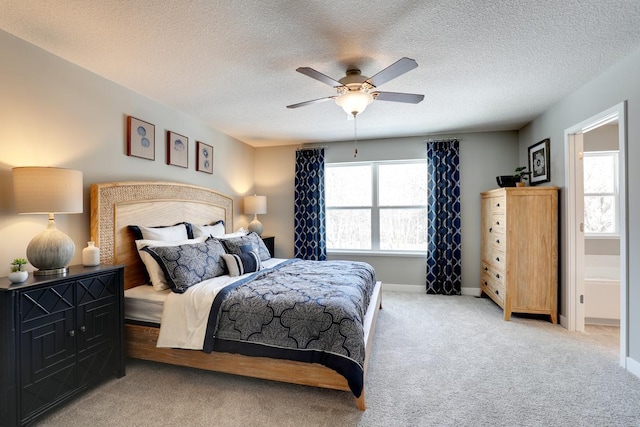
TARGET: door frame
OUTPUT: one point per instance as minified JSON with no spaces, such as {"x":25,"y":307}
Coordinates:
{"x":575,"y":216}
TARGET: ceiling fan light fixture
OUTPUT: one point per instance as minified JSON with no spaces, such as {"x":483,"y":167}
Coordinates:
{"x":354,"y":102}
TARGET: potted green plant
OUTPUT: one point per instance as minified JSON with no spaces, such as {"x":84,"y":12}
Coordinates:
{"x":18,"y":275}
{"x":521,"y":175}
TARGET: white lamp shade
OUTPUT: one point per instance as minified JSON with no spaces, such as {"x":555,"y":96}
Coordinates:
{"x":47,"y":190}
{"x":354,"y":102}
{"x":255,"y":204}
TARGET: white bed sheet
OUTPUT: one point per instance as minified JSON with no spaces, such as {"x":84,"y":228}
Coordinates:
{"x":144,"y":304}
{"x":185,"y":316}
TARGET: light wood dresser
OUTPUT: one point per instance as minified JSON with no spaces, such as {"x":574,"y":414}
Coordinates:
{"x":520,"y":249}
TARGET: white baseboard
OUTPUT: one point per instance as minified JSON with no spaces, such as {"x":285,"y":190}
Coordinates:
{"x":474,"y":292}
{"x":394,"y":287}
{"x":403,"y":288}
{"x":564,"y":322}
{"x":633,"y":367}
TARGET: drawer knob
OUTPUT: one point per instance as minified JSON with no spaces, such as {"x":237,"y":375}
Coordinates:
{"x":72,"y":333}
{"x":497,"y":240}
{"x":498,"y":275}
{"x":490,"y":229}
{"x":497,"y":292}
{"x":498,"y":205}
{"x":497,"y":222}
{"x":83,"y":328}
{"x":486,"y":268}
{"x":498,"y":258}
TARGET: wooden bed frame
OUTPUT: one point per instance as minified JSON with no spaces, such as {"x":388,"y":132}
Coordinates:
{"x":116,"y":205}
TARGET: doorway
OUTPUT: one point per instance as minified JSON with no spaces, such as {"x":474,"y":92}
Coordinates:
{"x":575,"y":254}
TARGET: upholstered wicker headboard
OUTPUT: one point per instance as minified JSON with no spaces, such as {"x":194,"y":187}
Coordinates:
{"x":116,"y":205}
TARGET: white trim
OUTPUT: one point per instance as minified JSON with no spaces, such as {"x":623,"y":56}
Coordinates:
{"x":563,"y":321}
{"x":574,"y":238}
{"x":394,"y":287}
{"x":633,"y":366}
{"x":618,"y":111}
{"x":398,"y":254}
{"x":474,"y":292}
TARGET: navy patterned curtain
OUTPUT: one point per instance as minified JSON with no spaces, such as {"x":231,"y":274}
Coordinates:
{"x":443,"y":254}
{"x":310,"y":226}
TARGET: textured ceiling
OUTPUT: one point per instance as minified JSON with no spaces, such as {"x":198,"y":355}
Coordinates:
{"x":483,"y":65}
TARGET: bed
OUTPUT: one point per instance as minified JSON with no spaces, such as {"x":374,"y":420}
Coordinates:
{"x":115,"y":206}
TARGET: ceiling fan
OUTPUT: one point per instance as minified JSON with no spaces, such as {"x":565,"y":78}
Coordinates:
{"x":356,"y":91}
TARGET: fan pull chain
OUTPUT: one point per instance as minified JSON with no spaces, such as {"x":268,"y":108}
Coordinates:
{"x":355,"y":135}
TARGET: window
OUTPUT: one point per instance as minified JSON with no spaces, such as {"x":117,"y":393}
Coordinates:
{"x":601,"y":193}
{"x":377,"y":206}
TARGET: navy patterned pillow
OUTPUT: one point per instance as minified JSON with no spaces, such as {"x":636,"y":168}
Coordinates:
{"x":246,"y":262}
{"x":234,"y":245}
{"x":187,"y":265}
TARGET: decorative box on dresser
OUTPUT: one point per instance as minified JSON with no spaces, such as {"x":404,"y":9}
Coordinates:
{"x":520,"y":249}
{"x":59,"y":335}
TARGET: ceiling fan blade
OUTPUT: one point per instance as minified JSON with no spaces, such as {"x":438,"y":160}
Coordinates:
{"x":394,"y":70}
{"x":307,"y":71}
{"x":411,"y":98}
{"x":313,"y":101}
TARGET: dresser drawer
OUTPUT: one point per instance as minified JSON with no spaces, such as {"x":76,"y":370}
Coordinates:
{"x":498,"y":204}
{"x":498,"y":223}
{"x":492,"y":287}
{"x":497,"y":260}
{"x":498,"y":242}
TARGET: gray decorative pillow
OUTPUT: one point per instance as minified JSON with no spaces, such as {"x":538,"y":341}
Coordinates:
{"x":187,"y":265}
{"x":234,"y":245}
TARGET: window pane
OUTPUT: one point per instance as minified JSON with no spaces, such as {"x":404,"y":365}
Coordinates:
{"x":598,"y":174}
{"x":348,"y":228}
{"x":403,"y":229}
{"x":348,"y":186}
{"x":402,"y":184}
{"x":599,"y":214}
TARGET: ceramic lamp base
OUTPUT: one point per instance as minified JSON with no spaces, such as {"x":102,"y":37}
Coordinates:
{"x":50,"y":251}
{"x":256,"y":226}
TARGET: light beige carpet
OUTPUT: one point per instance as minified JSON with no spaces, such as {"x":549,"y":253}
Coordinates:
{"x":437,"y":361}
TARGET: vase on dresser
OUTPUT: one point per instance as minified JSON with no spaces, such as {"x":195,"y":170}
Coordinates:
{"x":91,"y":255}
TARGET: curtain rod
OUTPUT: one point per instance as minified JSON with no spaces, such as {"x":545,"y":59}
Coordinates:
{"x":310,"y":147}
{"x":444,"y":139}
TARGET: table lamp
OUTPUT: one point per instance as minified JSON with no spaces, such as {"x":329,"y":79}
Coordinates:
{"x":255,"y":205}
{"x":46,"y":190}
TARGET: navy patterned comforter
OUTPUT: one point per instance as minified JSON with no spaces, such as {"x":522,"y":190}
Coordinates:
{"x":309,"y":311}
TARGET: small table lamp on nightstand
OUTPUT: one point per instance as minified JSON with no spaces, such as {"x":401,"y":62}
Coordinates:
{"x":255,"y":205}
{"x":46,"y":190}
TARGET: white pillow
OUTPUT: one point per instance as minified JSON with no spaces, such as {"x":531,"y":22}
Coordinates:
{"x":156,"y":275}
{"x":238,"y":233}
{"x":214,"y":230}
{"x":166,"y":234}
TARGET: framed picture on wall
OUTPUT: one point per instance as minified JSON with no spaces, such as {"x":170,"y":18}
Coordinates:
{"x":141,"y":138}
{"x":204,"y":157}
{"x":539,"y":162}
{"x":177,"y":149}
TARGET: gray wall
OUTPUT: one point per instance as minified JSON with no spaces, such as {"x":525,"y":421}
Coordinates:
{"x":483,"y":156}
{"x":54,"y":113}
{"x":618,"y":84}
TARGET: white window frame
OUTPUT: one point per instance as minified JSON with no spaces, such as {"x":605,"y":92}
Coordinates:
{"x":375,"y":210}
{"x":614,"y":154}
